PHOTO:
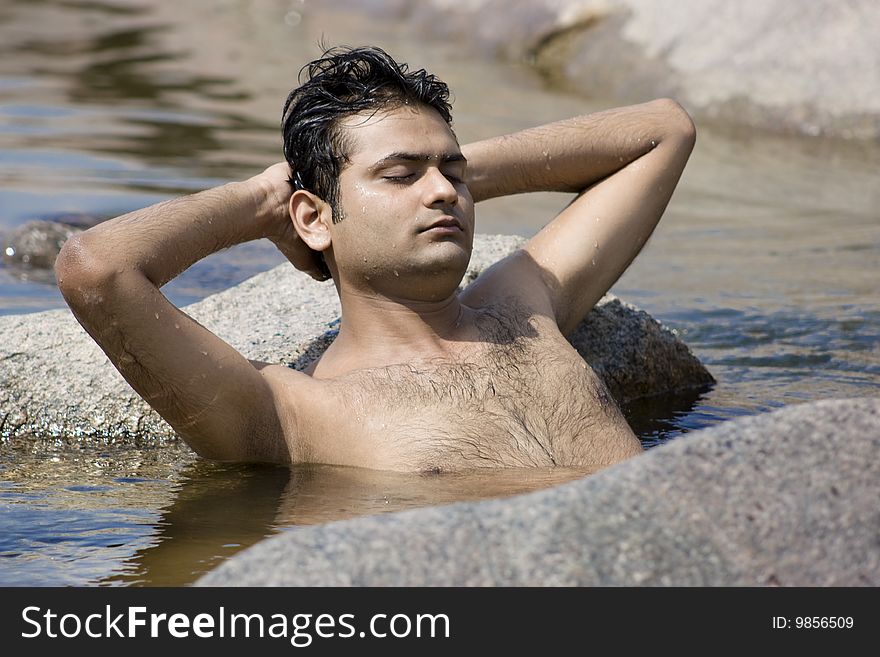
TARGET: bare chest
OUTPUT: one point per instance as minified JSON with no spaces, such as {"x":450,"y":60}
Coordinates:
{"x":527,"y":402}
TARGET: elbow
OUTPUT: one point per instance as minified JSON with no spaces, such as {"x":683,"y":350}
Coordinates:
{"x":79,"y":272}
{"x":70,"y":265}
{"x":677,"y":123}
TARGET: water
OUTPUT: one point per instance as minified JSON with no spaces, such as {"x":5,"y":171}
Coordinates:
{"x":766,"y":262}
{"x":162,"y":517}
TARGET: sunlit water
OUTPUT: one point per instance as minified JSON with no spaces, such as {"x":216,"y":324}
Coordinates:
{"x":766,"y":263}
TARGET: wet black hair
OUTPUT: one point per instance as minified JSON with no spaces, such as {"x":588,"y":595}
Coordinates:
{"x":343,"y":82}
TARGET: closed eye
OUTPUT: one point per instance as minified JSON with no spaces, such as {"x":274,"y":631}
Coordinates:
{"x":454,"y":171}
{"x":399,"y":179}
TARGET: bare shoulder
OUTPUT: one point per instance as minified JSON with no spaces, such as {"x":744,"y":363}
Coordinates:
{"x":517,"y":280}
{"x":293,"y":392}
{"x":284,"y":379}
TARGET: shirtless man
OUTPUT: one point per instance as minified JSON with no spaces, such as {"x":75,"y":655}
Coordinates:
{"x":377,"y":193}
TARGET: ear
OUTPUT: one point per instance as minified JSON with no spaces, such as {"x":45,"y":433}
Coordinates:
{"x":311,"y":218}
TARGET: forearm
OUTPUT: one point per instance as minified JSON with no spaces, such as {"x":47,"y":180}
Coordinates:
{"x":110,"y":276}
{"x":572,"y":155}
{"x":163,"y":240}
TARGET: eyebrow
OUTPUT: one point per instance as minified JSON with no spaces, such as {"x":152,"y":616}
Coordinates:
{"x":393,"y":158}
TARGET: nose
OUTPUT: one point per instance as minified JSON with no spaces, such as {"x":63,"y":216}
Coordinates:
{"x":439,"y":190}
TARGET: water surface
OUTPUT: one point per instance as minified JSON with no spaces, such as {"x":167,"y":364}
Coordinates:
{"x":766,"y":262}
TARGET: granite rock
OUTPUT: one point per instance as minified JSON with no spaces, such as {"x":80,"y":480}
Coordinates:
{"x":785,"y":498}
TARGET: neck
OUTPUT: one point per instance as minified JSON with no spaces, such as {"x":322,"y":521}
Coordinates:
{"x":397,"y":329}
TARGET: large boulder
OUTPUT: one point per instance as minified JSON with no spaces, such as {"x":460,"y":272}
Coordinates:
{"x":55,"y":383}
{"x":801,"y":67}
{"x":786,"y":498}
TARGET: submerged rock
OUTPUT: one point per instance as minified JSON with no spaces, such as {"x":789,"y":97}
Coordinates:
{"x":786,"y":498}
{"x":30,"y":249}
{"x":33,"y":247}
{"x":56,"y":383}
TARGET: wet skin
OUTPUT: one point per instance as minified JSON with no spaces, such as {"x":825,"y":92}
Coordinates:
{"x":420,"y":377}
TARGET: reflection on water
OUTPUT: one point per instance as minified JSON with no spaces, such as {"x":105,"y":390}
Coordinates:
{"x":135,"y":517}
{"x":766,"y":262}
{"x":216,"y":511}
{"x":72,"y":515}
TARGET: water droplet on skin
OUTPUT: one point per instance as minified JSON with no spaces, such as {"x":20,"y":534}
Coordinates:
{"x":10,"y":251}
{"x":396,"y":274}
{"x":594,"y":262}
{"x":176,"y":325}
{"x":157,"y":315}
{"x":653,"y":143}
{"x":596,"y":244}
{"x":365,"y":258}
{"x":204,"y":353}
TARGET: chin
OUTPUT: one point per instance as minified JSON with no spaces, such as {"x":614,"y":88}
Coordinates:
{"x":451,"y":252}
{"x":438,"y":278}
{"x":450,"y":263}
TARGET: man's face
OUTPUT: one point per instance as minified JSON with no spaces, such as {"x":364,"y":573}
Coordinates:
{"x":409,"y":218}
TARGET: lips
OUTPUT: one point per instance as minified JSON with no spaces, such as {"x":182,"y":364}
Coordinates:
{"x":445,"y":223}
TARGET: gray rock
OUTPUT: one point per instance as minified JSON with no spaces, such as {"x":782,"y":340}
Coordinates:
{"x":30,"y":249}
{"x":35,"y":244}
{"x":785,"y":498}
{"x":55,"y":383}
{"x":772,"y":64}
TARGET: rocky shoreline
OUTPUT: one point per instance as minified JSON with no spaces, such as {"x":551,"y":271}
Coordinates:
{"x":771,"y":65}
